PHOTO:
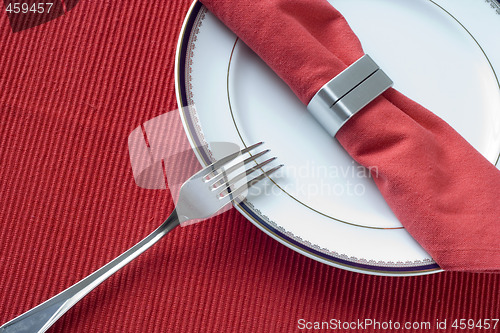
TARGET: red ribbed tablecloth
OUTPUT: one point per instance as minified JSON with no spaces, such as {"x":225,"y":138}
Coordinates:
{"x":71,"y":91}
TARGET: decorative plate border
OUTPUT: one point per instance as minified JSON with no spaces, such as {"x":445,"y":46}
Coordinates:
{"x":495,"y":4}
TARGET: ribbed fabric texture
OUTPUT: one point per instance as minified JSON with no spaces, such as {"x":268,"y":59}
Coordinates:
{"x":72,"y":90}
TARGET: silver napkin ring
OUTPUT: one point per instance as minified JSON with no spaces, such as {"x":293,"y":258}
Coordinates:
{"x":347,"y":93}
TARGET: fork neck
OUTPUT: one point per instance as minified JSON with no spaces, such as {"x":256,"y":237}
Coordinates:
{"x":172,"y":221}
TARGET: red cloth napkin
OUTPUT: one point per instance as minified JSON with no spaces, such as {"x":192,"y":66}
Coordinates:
{"x":441,"y":189}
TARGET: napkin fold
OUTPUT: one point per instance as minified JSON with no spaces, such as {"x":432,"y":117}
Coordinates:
{"x":443,"y":191}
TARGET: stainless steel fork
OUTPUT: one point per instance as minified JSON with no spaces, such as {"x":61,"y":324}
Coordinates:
{"x":200,"y":196}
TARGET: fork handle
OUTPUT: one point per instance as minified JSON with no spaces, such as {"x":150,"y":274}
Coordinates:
{"x":41,"y":317}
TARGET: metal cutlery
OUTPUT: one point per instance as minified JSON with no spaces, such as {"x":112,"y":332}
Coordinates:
{"x":225,"y":181}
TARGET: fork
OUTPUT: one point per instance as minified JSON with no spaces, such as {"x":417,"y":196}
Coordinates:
{"x":200,"y":197}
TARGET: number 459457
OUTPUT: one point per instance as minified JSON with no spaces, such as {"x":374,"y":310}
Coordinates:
{"x":20,"y":7}
{"x":470,"y":324}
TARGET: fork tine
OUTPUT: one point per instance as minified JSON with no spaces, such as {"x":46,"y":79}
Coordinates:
{"x":218,"y":177}
{"x":231,"y":182}
{"x":216,"y":165}
{"x":232,"y":195}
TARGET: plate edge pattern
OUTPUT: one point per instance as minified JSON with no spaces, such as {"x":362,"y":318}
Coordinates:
{"x":193,"y":114}
{"x":334,"y":254}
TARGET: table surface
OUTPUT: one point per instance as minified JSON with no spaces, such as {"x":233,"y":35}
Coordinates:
{"x":72,"y":90}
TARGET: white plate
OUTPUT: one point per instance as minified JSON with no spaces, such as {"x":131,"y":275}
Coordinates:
{"x":442,"y":54}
